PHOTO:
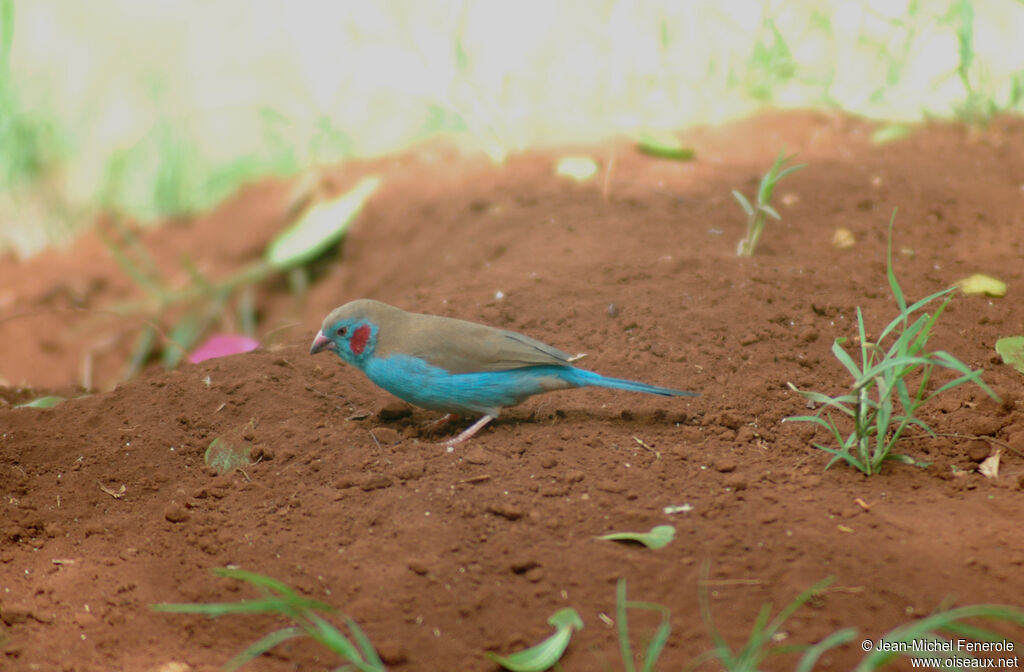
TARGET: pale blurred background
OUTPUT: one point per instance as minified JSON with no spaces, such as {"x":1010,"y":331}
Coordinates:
{"x":165,"y":107}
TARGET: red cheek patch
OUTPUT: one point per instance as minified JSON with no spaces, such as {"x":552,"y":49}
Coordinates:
{"x":359,"y":338}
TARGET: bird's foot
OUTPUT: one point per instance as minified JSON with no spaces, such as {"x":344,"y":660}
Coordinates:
{"x":437,"y":426}
{"x":441,"y":422}
{"x":467,"y":433}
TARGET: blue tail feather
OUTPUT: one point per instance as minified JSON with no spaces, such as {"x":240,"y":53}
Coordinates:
{"x":584,"y":378}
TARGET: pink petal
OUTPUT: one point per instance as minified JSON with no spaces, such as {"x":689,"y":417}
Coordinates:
{"x":222,"y":345}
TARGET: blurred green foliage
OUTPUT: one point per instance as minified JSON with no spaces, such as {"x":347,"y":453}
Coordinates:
{"x":163,"y":119}
{"x":31,"y":143}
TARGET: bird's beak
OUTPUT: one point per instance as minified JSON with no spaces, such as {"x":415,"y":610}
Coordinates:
{"x":321,"y":343}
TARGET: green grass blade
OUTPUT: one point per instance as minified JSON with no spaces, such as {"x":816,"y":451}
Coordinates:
{"x":845,"y":359}
{"x":815,"y":651}
{"x":364,"y":644}
{"x":622,"y":625}
{"x":890,"y":274}
{"x":213,"y":609}
{"x":256,"y":580}
{"x":328,"y":635}
{"x":261,"y":646}
{"x":744,"y":203}
{"x":656,"y":645}
{"x":920,"y":303}
{"x":141,"y":352}
{"x":791,"y":169}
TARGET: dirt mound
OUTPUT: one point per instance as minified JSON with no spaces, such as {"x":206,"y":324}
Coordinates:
{"x":109,"y":506}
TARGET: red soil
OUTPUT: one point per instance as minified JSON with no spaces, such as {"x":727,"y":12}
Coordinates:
{"x":443,"y":556}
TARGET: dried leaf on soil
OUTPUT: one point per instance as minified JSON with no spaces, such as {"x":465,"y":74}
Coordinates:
{"x":579,"y":168}
{"x":983,"y":284}
{"x":989,"y":468}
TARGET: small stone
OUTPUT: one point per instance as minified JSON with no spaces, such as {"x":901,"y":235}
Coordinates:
{"x":343,"y":482}
{"x":507,"y":511}
{"x":261,"y":453}
{"x":523,"y":565}
{"x":535,"y":574}
{"x":13,"y":614}
{"x":417,"y":567}
{"x":553,"y":489}
{"x":396,"y":410}
{"x":736,"y":482}
{"x":613,"y":310}
{"x":745,"y":434}
{"x":1016,"y":441}
{"x":977,"y":450}
{"x":176,"y":513}
{"x":982,"y":425}
{"x":410,"y":471}
{"x":727,"y":418}
{"x":386,"y":436}
{"x":725,"y":465}
{"x":749,"y":339}
{"x":375,"y":482}
{"x":608,"y":485}
{"x":174,"y":666}
{"x":84,"y":619}
{"x":391,"y":652}
{"x":477,"y":455}
{"x":574,"y":476}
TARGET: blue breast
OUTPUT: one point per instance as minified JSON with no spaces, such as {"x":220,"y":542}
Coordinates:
{"x":431,"y":387}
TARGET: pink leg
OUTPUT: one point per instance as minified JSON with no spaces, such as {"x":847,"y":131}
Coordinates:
{"x":442,"y":421}
{"x":469,"y":432}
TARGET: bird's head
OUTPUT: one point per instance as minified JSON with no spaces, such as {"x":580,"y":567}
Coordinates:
{"x":348,"y":332}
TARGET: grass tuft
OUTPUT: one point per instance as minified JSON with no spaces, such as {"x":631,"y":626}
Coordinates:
{"x":761,"y":643}
{"x":658,"y":640}
{"x":761,"y":210}
{"x":890,"y":384}
{"x":279,"y":599}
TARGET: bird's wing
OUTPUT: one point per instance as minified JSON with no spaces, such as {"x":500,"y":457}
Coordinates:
{"x":458,"y":346}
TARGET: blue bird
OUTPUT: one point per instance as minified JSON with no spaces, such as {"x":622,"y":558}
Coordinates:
{"x":453,"y":366}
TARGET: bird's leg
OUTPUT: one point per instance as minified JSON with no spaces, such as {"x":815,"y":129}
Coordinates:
{"x":469,"y":432}
{"x":441,"y":422}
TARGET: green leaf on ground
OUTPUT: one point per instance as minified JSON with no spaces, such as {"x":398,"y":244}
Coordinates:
{"x":890,"y":133}
{"x":544,"y":655}
{"x":579,"y":168}
{"x":664,"y":145}
{"x":42,"y":402}
{"x":322,"y":226}
{"x":658,"y":537}
{"x":227,"y":452}
{"x":1011,"y":349}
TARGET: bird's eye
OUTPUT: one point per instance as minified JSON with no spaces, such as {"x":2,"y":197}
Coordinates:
{"x":342,"y":331}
